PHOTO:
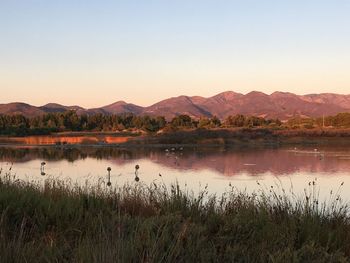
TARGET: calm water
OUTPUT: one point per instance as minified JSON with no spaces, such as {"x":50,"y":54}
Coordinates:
{"x":193,"y":168}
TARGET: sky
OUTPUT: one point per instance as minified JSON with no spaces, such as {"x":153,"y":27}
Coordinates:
{"x":94,"y":53}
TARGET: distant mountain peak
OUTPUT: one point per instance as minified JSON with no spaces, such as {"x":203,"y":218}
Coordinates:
{"x":57,"y":108}
{"x":256,"y":93}
{"x":117,"y":103}
{"x":52,"y":104}
{"x":227,"y":95}
{"x":121,"y":107}
{"x":282,"y":93}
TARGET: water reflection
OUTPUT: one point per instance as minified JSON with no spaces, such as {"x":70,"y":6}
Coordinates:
{"x":227,"y":162}
{"x":248,"y":169}
{"x":64,"y":140}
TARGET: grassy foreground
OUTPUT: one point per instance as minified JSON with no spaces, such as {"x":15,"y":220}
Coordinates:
{"x":64,"y":223}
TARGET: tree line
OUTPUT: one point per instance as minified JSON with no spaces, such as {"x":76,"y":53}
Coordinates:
{"x":20,"y":125}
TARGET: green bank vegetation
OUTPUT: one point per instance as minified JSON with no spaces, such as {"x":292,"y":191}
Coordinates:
{"x":61,"y":222}
{"x":341,"y":120}
{"x":18,"y":125}
{"x":70,"y":121}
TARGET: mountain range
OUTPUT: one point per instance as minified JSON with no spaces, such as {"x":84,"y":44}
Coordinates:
{"x":282,"y":105}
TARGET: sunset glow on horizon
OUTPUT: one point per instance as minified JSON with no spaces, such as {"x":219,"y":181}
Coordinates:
{"x":94,"y":53}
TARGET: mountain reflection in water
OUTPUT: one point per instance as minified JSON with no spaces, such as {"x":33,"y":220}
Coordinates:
{"x":227,"y":162}
{"x":246,"y":169}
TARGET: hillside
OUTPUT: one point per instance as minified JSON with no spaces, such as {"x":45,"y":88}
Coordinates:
{"x":282,"y":105}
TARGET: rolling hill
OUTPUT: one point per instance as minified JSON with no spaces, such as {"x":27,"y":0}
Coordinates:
{"x":282,"y":105}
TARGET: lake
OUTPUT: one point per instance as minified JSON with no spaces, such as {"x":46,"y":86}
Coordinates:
{"x":194,"y":168}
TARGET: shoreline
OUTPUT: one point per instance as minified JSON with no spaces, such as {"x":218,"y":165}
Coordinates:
{"x":190,"y":138}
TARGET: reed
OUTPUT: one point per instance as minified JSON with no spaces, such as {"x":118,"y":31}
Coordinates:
{"x":63,"y":222}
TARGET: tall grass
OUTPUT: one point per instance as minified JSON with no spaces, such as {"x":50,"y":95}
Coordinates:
{"x":62,"y":222}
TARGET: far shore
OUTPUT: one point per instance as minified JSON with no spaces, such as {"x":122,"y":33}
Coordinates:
{"x":194,"y":137}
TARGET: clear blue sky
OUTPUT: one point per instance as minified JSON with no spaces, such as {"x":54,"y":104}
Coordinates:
{"x":96,"y":52}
